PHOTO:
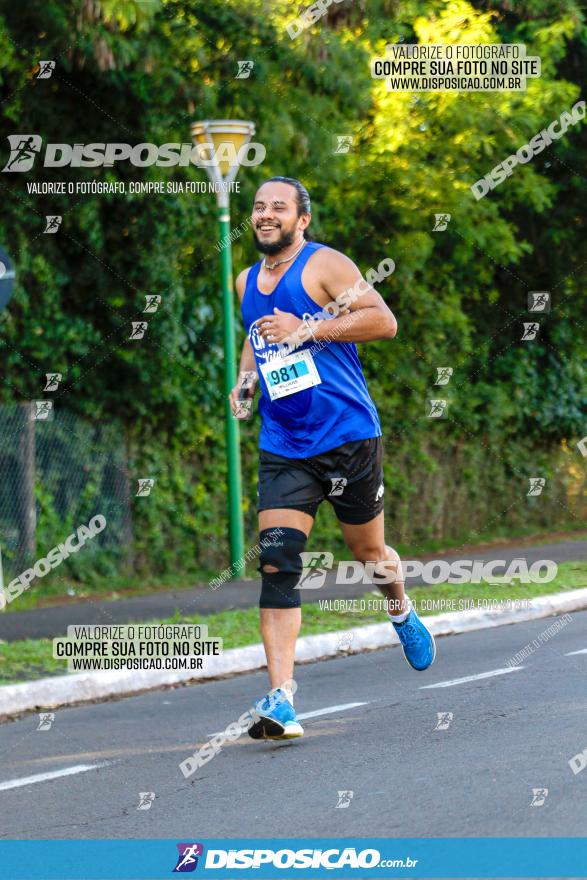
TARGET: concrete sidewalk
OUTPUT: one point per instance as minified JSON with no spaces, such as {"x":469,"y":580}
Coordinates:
{"x":202,"y":600}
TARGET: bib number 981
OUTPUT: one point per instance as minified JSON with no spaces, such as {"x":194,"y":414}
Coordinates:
{"x":284,"y":374}
{"x":288,"y":375}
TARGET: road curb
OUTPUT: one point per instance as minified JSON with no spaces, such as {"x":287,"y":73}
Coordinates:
{"x":66,"y":690}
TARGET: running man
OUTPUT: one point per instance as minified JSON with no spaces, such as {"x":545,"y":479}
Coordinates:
{"x":320,"y":434}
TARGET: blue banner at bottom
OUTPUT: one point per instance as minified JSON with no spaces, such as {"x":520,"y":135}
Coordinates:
{"x":555,"y":857}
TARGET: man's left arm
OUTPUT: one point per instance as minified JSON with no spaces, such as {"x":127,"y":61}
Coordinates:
{"x":361,"y":313}
{"x":369,"y":318}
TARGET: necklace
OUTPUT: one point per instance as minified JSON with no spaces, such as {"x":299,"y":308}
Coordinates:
{"x":279,"y":262}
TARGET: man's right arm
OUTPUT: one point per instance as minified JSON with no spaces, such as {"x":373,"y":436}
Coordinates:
{"x":247,"y":362}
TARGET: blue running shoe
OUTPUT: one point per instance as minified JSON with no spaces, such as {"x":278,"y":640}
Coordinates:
{"x":417,"y":643}
{"x":274,"y":717}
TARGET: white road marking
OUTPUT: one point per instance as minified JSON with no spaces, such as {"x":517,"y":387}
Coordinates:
{"x":54,"y":774}
{"x":478,"y":677}
{"x":572,"y":653}
{"x":328,"y":710}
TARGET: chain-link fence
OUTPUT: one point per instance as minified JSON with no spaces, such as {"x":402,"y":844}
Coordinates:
{"x":57,"y":471}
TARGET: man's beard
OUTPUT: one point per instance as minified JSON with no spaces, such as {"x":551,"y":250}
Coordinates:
{"x":275,"y":246}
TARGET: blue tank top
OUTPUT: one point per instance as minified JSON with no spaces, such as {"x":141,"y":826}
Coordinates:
{"x":316,"y":419}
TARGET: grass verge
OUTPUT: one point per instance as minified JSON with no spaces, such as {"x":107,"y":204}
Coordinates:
{"x":32,"y":658}
{"x":58,"y":589}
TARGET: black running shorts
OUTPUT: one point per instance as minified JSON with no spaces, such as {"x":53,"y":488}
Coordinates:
{"x":350,"y":477}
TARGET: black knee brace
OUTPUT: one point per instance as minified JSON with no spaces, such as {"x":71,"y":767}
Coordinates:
{"x":281,"y":548}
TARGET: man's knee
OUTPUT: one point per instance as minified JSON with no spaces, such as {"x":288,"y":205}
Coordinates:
{"x":370,"y":552}
{"x":384,"y":563}
{"x":281,"y":565}
{"x":389,"y":570}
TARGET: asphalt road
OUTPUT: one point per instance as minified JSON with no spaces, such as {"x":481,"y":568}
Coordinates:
{"x":53,"y":621}
{"x":509,"y":734}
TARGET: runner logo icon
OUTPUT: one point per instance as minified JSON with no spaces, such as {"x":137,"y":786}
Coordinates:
{"x":539,"y":796}
{"x":23,"y":151}
{"x":316,"y":564}
{"x":344,"y":799}
{"x":338,"y":484}
{"x":187,"y":860}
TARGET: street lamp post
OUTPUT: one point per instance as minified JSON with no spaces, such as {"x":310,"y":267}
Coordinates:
{"x":6,"y":286}
{"x":7,"y":276}
{"x":214,"y":135}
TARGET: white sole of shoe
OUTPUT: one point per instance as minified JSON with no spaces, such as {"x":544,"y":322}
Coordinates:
{"x":292,"y":730}
{"x":431,"y":662}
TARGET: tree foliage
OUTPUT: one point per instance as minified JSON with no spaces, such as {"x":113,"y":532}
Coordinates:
{"x":141,"y":72}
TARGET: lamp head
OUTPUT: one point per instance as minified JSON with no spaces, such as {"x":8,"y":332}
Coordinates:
{"x":219,"y":133}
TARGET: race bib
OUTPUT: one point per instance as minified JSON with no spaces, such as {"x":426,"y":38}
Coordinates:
{"x":290,"y":374}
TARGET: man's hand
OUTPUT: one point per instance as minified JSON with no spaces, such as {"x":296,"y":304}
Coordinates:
{"x":279,"y":326}
{"x":247,"y":379}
